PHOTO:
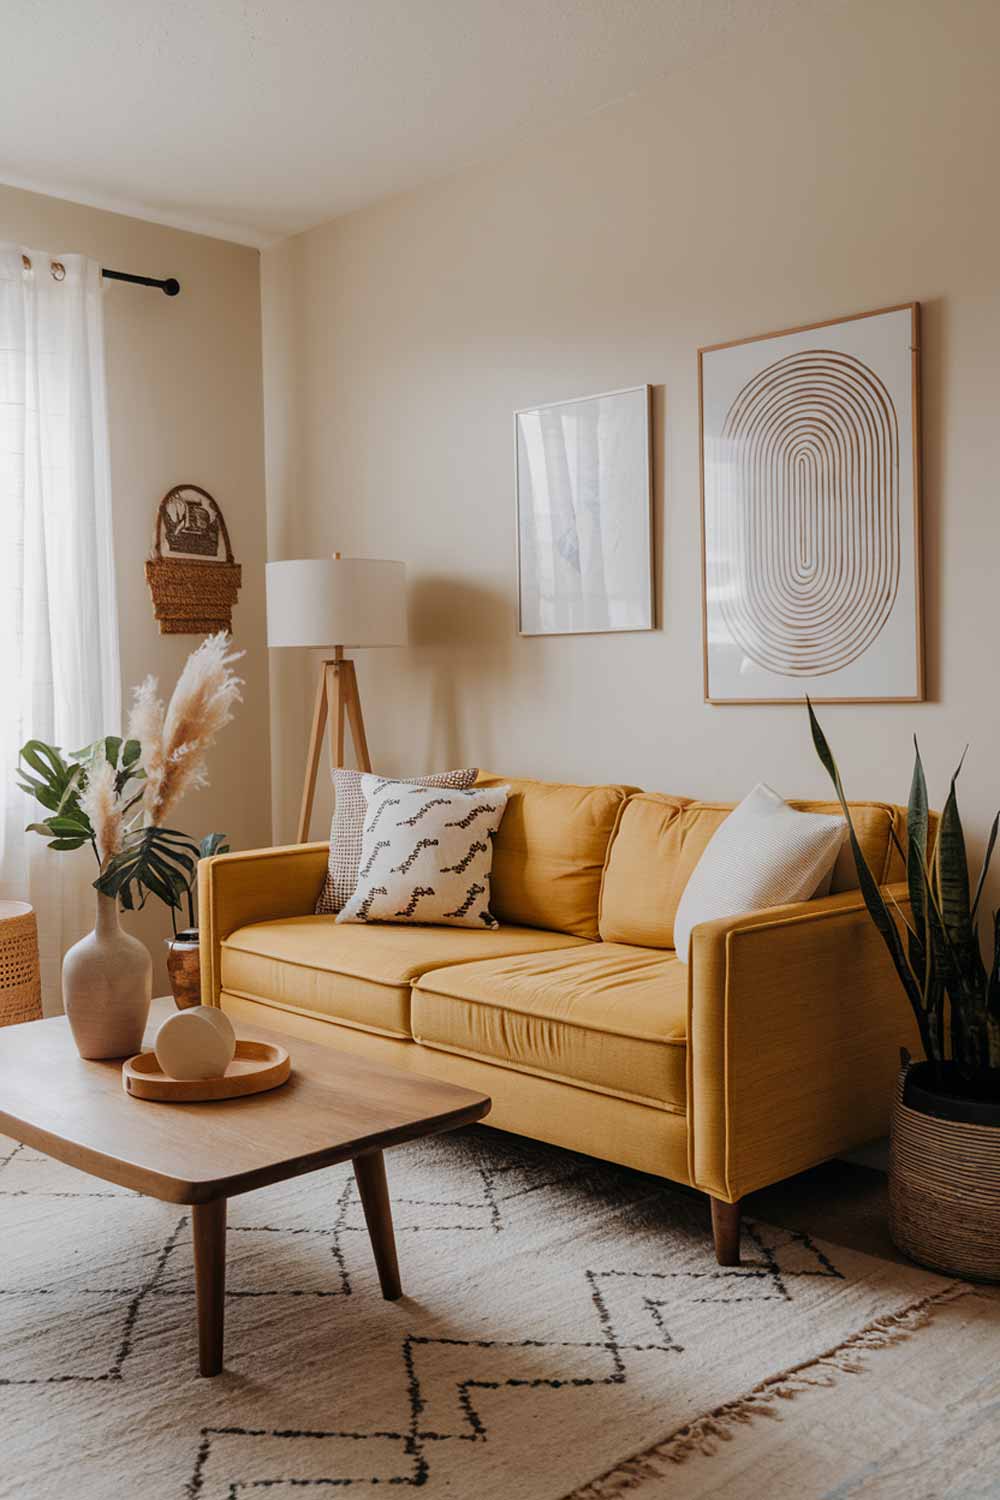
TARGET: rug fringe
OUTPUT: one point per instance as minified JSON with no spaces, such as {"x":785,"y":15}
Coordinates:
{"x":706,"y":1433}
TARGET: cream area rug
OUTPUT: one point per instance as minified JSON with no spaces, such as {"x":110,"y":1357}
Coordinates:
{"x":923,"y":1425}
{"x":565,"y":1332}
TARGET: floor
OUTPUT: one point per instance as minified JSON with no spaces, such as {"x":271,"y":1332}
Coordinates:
{"x":841,"y":1201}
{"x":838,"y":1201}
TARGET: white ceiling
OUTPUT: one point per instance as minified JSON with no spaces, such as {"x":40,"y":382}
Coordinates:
{"x":253,"y":119}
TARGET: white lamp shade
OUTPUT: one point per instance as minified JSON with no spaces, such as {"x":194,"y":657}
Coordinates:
{"x":336,"y":601}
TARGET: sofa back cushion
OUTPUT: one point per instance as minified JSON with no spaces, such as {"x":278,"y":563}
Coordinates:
{"x":659,"y":840}
{"x":549,"y":853}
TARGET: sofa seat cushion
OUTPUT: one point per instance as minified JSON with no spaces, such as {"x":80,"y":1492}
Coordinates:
{"x":607,"y":1016}
{"x":360,"y":975}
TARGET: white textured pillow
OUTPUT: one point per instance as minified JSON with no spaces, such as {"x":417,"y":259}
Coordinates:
{"x":764,"y":854}
{"x":426,"y":855}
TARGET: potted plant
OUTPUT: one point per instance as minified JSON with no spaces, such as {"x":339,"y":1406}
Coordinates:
{"x":944,"y":1164}
{"x":107,"y":975}
{"x":184,"y":948}
{"x":117,"y":796}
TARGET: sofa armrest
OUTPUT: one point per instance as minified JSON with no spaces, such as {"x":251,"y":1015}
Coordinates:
{"x":795,"y":1020}
{"x":255,"y":885}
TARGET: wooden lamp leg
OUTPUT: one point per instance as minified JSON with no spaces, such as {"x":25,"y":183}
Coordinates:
{"x":333,"y":672}
{"x":312,"y":757}
{"x":354,"y":715}
{"x":338,"y":699}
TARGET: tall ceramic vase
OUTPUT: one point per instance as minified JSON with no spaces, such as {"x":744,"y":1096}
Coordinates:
{"x":107,"y":986}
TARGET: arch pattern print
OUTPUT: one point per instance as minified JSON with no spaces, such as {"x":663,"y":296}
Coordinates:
{"x":810,"y":513}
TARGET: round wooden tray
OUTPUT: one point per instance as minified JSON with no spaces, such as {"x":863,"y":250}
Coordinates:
{"x":257,"y":1066}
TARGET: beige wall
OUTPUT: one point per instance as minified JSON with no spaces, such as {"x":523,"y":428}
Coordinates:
{"x":184,"y":388}
{"x":843,"y":165}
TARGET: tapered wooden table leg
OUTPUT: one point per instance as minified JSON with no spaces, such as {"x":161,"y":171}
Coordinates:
{"x":369,"y":1170}
{"x":209,"y":1223}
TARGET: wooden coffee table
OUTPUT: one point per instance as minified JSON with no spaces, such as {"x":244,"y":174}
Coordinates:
{"x":335,"y":1106}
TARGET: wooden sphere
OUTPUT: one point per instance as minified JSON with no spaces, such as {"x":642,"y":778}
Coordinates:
{"x":196,"y":1043}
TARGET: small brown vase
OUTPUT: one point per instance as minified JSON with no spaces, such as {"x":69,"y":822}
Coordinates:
{"x":184,"y":968}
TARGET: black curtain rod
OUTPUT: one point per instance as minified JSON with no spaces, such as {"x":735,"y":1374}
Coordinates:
{"x":170,"y":284}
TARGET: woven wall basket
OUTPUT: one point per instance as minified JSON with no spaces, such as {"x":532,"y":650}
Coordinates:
{"x":193,"y":589}
{"x":20,"y":983}
{"x":944,"y":1191}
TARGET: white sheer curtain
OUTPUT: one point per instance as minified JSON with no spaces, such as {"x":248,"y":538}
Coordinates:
{"x":60,"y":676}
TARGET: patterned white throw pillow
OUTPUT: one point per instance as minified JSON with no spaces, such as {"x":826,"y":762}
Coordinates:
{"x":764,"y":854}
{"x":426,"y":855}
{"x":348,"y":824}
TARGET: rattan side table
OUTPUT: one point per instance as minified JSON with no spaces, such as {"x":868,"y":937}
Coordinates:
{"x":20,"y":979}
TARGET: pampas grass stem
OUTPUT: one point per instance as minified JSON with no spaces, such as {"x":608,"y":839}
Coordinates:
{"x":99,"y":800}
{"x":175,"y":740}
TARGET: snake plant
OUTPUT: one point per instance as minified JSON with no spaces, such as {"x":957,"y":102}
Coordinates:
{"x":935,"y":948}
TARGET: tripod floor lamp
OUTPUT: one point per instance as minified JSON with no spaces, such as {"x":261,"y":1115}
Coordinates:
{"x":333,"y":603}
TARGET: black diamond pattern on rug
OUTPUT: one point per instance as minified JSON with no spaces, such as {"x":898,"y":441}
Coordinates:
{"x":539,"y":1285}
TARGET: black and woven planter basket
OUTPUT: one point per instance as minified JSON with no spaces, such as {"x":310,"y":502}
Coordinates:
{"x":944,"y":1181}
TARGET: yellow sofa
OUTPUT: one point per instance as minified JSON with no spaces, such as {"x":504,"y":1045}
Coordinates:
{"x":773,"y":1049}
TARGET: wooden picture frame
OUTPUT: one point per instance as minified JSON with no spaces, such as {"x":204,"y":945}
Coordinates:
{"x":798,"y":430}
{"x":624,"y":505}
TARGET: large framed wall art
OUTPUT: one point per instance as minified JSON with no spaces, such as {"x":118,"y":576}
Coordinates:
{"x":810,"y":470}
{"x":584,"y":515}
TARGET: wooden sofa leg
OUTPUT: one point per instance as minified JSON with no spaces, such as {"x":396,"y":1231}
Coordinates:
{"x":726,"y":1231}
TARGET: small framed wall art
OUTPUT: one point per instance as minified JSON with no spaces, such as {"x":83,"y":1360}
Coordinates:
{"x":584,"y":515}
{"x":810,"y":481}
